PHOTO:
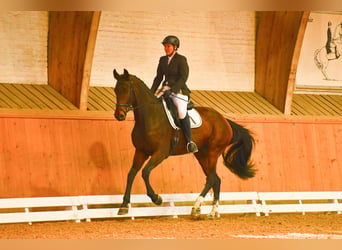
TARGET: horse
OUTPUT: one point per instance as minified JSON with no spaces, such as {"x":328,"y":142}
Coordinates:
{"x":215,"y":137}
{"x":322,"y":57}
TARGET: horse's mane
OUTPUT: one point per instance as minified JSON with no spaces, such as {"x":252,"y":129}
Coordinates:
{"x":143,"y":86}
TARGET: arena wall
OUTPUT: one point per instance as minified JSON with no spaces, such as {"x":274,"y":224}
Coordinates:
{"x":23,"y":43}
{"x":80,"y":155}
{"x":81,"y":152}
{"x":219,"y":46}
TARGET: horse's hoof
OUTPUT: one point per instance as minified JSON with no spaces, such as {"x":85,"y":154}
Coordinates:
{"x":123,"y":211}
{"x":195,"y":213}
{"x":213,"y":216}
{"x":159,"y":200}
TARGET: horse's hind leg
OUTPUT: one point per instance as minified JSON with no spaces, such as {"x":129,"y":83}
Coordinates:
{"x":138,"y":161}
{"x":214,"y":213}
{"x":212,"y":181}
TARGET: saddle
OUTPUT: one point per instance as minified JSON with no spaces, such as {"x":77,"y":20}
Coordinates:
{"x":172,"y":115}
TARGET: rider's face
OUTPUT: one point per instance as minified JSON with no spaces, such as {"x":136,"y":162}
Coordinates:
{"x":169,"y":49}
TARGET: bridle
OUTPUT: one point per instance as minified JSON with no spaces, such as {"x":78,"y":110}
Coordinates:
{"x":129,"y":105}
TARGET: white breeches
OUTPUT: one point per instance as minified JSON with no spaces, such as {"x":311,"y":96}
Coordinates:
{"x":180,"y":101}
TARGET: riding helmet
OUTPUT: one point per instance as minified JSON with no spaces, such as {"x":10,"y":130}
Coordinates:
{"x":172,"y":40}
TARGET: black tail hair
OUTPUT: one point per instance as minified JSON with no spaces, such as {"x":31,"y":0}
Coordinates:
{"x":237,"y":158}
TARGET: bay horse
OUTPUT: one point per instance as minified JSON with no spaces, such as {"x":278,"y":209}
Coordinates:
{"x":216,"y":136}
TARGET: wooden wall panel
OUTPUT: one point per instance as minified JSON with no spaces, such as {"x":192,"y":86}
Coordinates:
{"x":295,"y":156}
{"x":51,"y":156}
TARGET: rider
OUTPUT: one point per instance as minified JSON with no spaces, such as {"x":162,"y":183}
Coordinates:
{"x":330,"y":44}
{"x":174,"y":70}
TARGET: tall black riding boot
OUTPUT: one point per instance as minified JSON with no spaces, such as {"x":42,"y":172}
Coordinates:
{"x":185,"y":125}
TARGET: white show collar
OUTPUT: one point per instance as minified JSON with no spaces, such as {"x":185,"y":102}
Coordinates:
{"x":169,"y":58}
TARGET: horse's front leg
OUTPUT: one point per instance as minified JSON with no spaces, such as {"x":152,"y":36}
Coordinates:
{"x":154,"y":161}
{"x":138,"y":161}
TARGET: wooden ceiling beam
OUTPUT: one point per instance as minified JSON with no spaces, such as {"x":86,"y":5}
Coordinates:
{"x":71,"y":44}
{"x":278,"y":43}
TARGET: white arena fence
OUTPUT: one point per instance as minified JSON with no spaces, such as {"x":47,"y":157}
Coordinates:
{"x":78,"y":208}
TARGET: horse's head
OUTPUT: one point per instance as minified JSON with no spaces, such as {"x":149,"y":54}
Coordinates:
{"x":124,"y":95}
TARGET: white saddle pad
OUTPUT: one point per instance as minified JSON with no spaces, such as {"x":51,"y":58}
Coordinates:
{"x":195,"y":118}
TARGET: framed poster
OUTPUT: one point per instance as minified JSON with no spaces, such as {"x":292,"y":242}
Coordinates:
{"x":320,"y":60}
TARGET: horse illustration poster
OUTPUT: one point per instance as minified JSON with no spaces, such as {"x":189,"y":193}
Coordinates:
{"x":320,"y":61}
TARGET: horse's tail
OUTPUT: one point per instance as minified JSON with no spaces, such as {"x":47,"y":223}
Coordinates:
{"x":237,"y":158}
{"x":317,"y":62}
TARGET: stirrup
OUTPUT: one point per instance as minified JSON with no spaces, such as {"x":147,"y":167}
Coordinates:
{"x":191,"y":147}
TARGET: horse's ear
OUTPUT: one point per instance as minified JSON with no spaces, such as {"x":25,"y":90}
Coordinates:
{"x":126,"y":74}
{"x":116,"y":75}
